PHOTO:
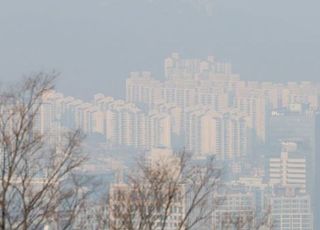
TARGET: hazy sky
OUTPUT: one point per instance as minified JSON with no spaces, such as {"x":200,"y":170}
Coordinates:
{"x":95,"y":43}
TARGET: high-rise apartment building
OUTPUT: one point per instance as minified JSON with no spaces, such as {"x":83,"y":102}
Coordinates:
{"x":125,"y":125}
{"x":221,"y":134}
{"x":177,"y":68}
{"x":142,"y":88}
{"x":159,"y":130}
{"x":253,"y":105}
{"x":289,"y":169}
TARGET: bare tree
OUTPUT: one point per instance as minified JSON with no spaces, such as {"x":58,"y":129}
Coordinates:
{"x":36,"y":177}
{"x":169,"y":192}
{"x":175,"y":192}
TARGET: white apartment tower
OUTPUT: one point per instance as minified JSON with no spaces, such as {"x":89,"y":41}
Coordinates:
{"x":159,"y":130}
{"x":289,"y":170}
{"x":222,"y":134}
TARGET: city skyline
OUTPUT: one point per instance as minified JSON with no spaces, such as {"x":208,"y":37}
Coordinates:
{"x":99,"y":42}
{"x":159,"y":78}
{"x":159,"y":115}
{"x":261,"y":135}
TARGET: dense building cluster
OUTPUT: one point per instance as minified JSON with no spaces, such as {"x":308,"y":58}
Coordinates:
{"x":266,"y":133}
